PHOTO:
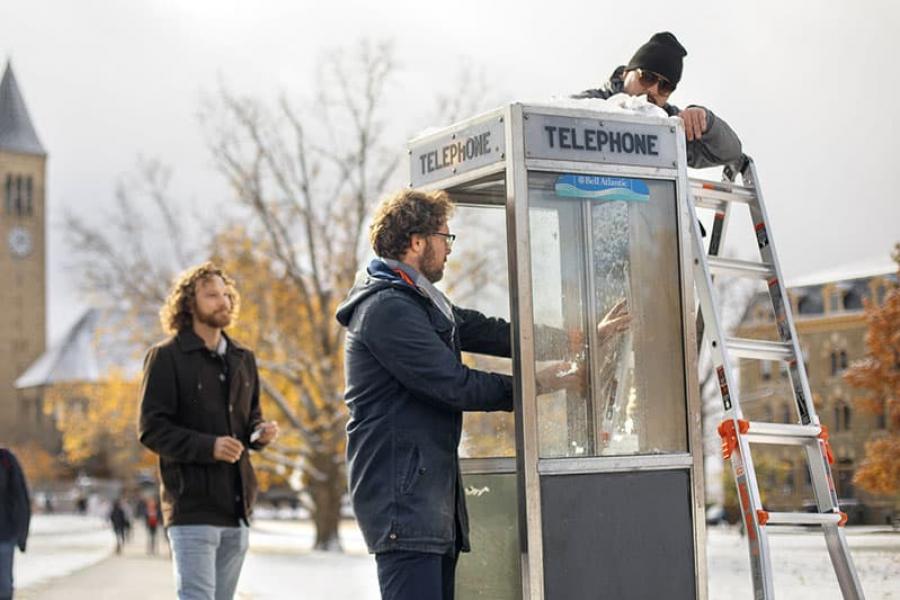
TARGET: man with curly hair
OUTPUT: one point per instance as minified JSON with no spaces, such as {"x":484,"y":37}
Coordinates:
{"x":407,"y":390}
{"x":200,"y":413}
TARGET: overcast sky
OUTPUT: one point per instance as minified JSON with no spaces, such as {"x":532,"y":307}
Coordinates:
{"x":811,"y":88}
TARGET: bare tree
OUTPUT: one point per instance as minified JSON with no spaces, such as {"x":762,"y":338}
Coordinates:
{"x":309,"y":177}
{"x":122,"y":259}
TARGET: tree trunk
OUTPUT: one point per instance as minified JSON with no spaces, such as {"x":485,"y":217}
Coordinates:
{"x":326,"y":494}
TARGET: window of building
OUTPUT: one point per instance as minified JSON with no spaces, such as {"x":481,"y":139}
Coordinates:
{"x":852,"y":301}
{"x":18,"y":193}
{"x":29,"y":187}
{"x":839,"y":361}
{"x":843,"y":416}
{"x":8,"y":194}
{"x":881,"y":417}
{"x":787,"y":413}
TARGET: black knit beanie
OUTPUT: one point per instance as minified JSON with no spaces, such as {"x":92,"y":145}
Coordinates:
{"x":662,"y":54}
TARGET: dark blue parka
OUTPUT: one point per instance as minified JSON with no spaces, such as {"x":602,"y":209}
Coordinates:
{"x":406,"y":391}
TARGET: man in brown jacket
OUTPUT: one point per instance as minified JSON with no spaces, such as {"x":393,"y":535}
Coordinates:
{"x":200,"y":412}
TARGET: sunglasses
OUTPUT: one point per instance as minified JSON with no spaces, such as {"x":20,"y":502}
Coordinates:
{"x":648,"y":78}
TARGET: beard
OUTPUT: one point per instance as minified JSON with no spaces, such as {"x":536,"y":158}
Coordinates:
{"x":432,"y":269}
{"x":219,"y":319}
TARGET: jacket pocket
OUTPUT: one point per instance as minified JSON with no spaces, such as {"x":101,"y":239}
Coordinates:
{"x":411,"y":469}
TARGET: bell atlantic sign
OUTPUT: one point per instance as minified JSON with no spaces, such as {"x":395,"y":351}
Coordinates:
{"x":470,"y":147}
{"x":599,"y":140}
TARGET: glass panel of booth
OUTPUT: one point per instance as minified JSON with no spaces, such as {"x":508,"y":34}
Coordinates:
{"x":603,"y":247}
{"x":477,"y":278}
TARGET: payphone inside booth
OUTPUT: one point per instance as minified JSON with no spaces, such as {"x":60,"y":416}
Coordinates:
{"x":570,"y":220}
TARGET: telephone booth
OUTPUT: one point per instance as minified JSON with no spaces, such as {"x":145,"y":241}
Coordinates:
{"x":567,"y":216}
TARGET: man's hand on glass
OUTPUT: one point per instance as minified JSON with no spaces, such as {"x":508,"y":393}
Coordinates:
{"x":561,"y":375}
{"x":614,"y":322}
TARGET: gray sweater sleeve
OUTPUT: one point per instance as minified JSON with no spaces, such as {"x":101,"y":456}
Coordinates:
{"x":719,"y":145}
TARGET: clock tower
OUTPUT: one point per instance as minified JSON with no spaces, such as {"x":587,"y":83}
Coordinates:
{"x":23,"y":311}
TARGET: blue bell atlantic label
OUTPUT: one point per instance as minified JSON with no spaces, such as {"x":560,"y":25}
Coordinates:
{"x":598,"y":187}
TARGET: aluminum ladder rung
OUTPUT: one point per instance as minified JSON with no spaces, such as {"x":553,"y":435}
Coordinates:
{"x":782,"y":434}
{"x":760,"y":349}
{"x":744,"y":268}
{"x":722,"y":186}
{"x":715,"y":195}
{"x":798,"y":518}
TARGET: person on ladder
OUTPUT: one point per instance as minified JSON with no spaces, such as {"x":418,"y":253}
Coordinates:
{"x":654,"y":71}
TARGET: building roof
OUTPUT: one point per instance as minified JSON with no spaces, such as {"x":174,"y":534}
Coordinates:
{"x":865,"y":269}
{"x":97,"y":342}
{"x":851,"y":280}
{"x":17,"y":134}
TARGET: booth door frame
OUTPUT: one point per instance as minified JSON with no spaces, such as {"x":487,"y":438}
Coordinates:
{"x":529,"y":465}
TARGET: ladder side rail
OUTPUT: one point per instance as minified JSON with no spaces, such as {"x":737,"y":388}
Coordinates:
{"x":839,"y":551}
{"x":740,"y":457}
{"x":781,"y":303}
{"x":817,"y":455}
{"x":820,"y":471}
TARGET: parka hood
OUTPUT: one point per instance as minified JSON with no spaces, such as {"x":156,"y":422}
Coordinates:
{"x":378,"y":276}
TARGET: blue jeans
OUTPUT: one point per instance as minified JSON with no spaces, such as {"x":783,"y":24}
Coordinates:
{"x":7,"y":550}
{"x":207,"y":560}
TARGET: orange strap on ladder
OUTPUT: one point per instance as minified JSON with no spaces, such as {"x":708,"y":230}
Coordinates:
{"x":729,"y":435}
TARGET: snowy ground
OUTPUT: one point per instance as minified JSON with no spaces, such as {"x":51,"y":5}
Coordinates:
{"x":802,"y":568}
{"x":61,"y":544}
{"x":280,"y":564}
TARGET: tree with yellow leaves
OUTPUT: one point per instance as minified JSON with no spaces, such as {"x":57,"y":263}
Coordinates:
{"x":878,"y":375}
{"x":96,"y":421}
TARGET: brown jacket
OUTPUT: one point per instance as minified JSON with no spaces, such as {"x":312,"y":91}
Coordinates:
{"x":183,"y":411}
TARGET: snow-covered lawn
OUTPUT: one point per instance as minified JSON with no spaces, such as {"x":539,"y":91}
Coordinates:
{"x":802,"y":568}
{"x":62,"y":544}
{"x":280,"y":564}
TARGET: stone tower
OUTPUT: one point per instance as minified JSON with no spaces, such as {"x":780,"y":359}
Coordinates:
{"x":23,"y":311}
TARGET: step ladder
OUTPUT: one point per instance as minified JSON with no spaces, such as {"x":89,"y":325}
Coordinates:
{"x":736,"y":432}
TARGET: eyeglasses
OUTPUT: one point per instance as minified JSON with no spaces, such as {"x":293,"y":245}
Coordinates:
{"x":648,"y":78}
{"x":448,"y":237}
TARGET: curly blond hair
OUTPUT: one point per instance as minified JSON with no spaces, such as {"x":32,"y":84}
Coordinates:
{"x":403,"y":214}
{"x":176,"y":315}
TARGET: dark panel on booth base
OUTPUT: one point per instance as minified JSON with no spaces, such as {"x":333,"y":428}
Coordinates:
{"x":618,"y":536}
{"x":491,"y":570}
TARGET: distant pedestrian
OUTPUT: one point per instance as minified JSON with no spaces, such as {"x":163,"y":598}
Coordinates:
{"x":15,"y":516}
{"x":152,"y":518}
{"x":200,"y":412}
{"x":120,"y":524}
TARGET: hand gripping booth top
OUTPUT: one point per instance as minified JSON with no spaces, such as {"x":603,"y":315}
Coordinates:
{"x":597,"y":491}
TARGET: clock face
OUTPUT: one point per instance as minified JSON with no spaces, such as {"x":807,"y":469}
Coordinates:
{"x":19,"y":242}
